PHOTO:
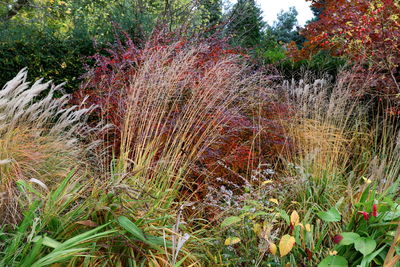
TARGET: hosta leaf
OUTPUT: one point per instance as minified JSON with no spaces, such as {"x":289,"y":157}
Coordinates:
{"x":348,"y":238}
{"x":365,"y":245}
{"x":334,"y":261}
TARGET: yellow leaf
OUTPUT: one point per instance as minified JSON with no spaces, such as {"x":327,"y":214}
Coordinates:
{"x":257,"y":228}
{"x":295,"y":202}
{"x":267,"y":182}
{"x":272,"y":248}
{"x":231,"y":241}
{"x":286,"y":244}
{"x":274,"y":200}
{"x":294,"y":218}
{"x":308,"y":227}
{"x":367,"y":181}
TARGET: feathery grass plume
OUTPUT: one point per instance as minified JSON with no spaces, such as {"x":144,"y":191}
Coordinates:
{"x":38,"y":138}
{"x":325,"y":123}
{"x":173,"y":114}
{"x":328,"y":127}
{"x":338,"y":143}
{"x":171,"y":111}
{"x":249,"y":134}
{"x":20,"y":105}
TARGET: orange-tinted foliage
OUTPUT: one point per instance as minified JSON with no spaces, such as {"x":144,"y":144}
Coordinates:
{"x":367,"y":32}
{"x":247,"y":138}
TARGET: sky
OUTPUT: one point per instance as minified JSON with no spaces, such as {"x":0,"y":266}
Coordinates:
{"x":272,"y":7}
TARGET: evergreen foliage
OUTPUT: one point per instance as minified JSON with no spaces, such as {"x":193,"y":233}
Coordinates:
{"x":246,"y":24}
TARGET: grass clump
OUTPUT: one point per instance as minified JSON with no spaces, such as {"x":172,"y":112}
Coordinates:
{"x":173,"y":157}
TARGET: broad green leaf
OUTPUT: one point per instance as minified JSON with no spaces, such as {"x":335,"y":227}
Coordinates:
{"x":286,"y":244}
{"x":129,"y":226}
{"x":365,"y":245}
{"x":367,"y":259}
{"x":331,"y":215}
{"x":230,"y":221}
{"x":334,"y":261}
{"x":348,"y":238}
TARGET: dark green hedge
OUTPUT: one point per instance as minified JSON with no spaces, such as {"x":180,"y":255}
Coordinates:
{"x":46,"y":57}
{"x":318,"y":66}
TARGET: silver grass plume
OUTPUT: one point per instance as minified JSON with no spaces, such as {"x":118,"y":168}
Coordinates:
{"x":20,"y":106}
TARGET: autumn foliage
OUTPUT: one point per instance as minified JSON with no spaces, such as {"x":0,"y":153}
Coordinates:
{"x":367,"y":32}
{"x":249,"y":132}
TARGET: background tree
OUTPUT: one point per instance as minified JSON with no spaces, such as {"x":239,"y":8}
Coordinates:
{"x":246,"y":24}
{"x":367,"y":32}
{"x":211,"y":13}
{"x":53,"y":38}
{"x":286,"y":29}
{"x":317,"y":9}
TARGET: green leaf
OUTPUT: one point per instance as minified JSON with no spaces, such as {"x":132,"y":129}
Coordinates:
{"x":367,"y":259}
{"x":284,"y":215}
{"x":348,"y":238}
{"x":153,"y":241}
{"x":365,"y":245}
{"x":334,"y":261}
{"x":129,"y":226}
{"x":331,"y":215}
{"x":35,"y":251}
{"x":393,"y":214}
{"x":159,"y":241}
{"x":230,"y":221}
{"x":47,"y":241}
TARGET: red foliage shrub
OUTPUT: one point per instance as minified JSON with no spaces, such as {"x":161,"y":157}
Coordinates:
{"x":365,"y":31}
{"x":250,"y":133}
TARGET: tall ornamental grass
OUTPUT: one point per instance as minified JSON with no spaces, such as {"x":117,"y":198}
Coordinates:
{"x":38,"y":139}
